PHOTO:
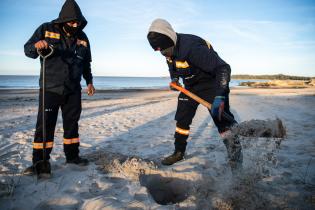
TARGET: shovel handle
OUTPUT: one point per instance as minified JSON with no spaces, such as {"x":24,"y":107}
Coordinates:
{"x":200,"y":100}
{"x":43,"y":95}
{"x":191,"y":95}
{"x":49,"y":54}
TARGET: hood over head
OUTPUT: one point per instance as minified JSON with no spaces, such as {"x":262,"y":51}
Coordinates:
{"x":71,"y":11}
{"x":161,"y":34}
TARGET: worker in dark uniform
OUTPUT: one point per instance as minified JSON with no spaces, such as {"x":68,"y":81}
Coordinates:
{"x":205,"y":74}
{"x":70,"y":60}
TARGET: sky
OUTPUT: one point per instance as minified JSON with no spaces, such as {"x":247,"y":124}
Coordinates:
{"x":254,"y":37}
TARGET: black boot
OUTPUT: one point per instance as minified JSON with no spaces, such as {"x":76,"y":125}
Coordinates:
{"x":175,"y":157}
{"x":41,"y":168}
{"x":29,"y":171}
{"x":79,"y":161}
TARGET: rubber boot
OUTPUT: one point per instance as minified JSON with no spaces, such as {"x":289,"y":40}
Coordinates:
{"x":29,"y":171}
{"x":41,"y":169}
{"x":173,"y":158}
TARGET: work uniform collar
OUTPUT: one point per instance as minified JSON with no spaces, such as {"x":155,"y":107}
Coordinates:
{"x":176,"y":49}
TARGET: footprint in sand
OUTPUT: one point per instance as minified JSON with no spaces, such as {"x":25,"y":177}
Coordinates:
{"x":102,"y":203}
{"x":74,"y":167}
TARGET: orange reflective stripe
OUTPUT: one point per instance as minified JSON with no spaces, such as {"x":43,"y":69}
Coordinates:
{"x":52,"y":35}
{"x":71,"y":141}
{"x":182,"y":131}
{"x":182,"y":64}
{"x":37,"y":145}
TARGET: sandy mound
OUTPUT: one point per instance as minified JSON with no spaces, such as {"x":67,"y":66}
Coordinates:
{"x":165,"y":187}
{"x":120,"y":165}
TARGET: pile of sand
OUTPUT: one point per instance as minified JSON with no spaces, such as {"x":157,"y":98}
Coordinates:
{"x":261,"y":128}
{"x":165,"y":187}
{"x":120,"y":165}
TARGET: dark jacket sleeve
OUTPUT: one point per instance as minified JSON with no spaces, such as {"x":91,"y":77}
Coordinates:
{"x":29,"y":47}
{"x":87,"y":72}
{"x":208,"y":61}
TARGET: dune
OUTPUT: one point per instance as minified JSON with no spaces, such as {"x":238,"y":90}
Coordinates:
{"x":281,"y":84}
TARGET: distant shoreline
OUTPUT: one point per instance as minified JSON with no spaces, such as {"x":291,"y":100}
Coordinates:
{"x":131,"y":90}
{"x":233,"y":76}
{"x":104,"y":83}
{"x":123,"y":90}
{"x":36,"y":75}
{"x":270,"y":77}
{"x":137,"y":84}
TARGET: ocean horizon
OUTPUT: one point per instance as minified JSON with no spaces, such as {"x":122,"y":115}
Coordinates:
{"x":100,"y":82}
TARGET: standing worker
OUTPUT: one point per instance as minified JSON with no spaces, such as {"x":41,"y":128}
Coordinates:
{"x":70,"y":60}
{"x":205,"y":74}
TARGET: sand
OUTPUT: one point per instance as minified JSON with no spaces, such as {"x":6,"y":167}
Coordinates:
{"x":125,"y":134}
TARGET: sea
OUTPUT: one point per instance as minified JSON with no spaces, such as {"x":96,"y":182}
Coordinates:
{"x":100,"y":82}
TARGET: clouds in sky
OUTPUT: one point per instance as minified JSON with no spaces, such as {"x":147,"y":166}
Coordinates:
{"x":265,"y":37}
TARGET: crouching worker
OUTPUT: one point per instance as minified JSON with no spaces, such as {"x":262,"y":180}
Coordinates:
{"x":205,"y":74}
{"x":70,"y":59}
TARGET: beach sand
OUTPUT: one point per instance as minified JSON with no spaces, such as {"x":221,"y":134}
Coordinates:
{"x":126,"y":133}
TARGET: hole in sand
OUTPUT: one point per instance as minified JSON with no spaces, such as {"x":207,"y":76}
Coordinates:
{"x":166,"y":190}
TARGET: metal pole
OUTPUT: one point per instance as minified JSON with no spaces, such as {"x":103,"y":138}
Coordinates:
{"x":43,"y":96}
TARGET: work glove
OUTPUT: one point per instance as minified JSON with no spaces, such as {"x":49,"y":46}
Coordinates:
{"x":218,"y":107}
{"x":176,"y":81}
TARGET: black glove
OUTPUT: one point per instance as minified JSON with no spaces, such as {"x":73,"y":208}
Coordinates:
{"x":175,"y":80}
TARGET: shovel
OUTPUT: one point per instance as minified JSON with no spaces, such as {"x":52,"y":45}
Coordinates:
{"x":200,"y":100}
{"x":42,"y":167}
{"x":252,"y":128}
